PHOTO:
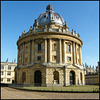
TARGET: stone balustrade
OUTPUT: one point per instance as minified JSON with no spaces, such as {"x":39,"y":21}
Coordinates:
{"x":36,"y":30}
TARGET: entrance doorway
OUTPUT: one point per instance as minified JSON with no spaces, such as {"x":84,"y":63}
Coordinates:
{"x":72,"y":78}
{"x":23,"y":77}
{"x":81,"y":77}
{"x":56,"y":77}
{"x":37,"y":78}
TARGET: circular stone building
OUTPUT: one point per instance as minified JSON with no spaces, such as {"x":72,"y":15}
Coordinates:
{"x":49,"y":54}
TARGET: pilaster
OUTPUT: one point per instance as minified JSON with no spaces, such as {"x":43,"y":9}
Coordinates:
{"x":65,"y":77}
{"x":76,"y":79}
{"x":83,"y":75}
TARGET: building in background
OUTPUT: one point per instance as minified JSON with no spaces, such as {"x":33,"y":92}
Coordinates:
{"x":49,"y":54}
{"x":90,"y":70}
{"x":92,"y":75}
{"x":7,"y":72}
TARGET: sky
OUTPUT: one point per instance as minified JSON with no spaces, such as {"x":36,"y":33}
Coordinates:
{"x":82,"y":16}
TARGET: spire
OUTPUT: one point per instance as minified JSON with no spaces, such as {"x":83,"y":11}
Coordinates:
{"x":49,"y":7}
{"x":14,"y":60}
{"x":85,"y":65}
{"x":7,"y":60}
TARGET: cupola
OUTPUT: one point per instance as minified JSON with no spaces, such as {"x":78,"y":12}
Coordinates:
{"x":49,"y":17}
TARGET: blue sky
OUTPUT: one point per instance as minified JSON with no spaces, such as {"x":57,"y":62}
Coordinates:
{"x":82,"y":16}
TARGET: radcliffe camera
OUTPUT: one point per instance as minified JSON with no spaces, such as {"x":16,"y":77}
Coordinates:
{"x":49,"y":57}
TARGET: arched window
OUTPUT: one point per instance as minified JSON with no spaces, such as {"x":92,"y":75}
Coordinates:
{"x":56,"y":76}
{"x":23,"y":77}
{"x":72,"y":77}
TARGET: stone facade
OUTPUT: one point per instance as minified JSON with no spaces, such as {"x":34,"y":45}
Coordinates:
{"x":92,"y":77}
{"x":7,"y":72}
{"x":49,"y":54}
{"x":90,"y":70}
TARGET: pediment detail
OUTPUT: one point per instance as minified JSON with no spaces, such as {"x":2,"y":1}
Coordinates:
{"x":38,"y":65}
{"x":73,"y":66}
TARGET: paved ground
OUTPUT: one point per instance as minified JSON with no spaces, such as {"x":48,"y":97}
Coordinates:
{"x":10,"y":93}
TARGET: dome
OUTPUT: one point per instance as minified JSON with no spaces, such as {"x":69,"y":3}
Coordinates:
{"x":50,"y":17}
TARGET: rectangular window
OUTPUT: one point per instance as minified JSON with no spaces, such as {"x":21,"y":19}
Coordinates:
{"x":69,"y":59}
{"x":39,"y":58}
{"x":8,"y":79}
{"x":68,"y":48}
{"x":26,"y":49}
{"x":8,"y":73}
{"x":9,"y":67}
{"x":2,"y":79}
{"x":1,"y":72}
{"x":26,"y":60}
{"x":54,"y":47}
{"x":2,"y":67}
{"x":39,"y":46}
{"x":54,"y":58}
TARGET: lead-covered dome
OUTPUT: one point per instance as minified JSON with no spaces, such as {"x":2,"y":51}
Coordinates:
{"x":50,"y":17}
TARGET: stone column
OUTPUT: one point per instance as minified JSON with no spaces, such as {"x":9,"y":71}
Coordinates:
{"x":49,"y":51}
{"x":73,"y":52}
{"x":17,"y":55}
{"x":23,"y":52}
{"x":60,"y":51}
{"x":29,"y":52}
{"x":64,"y":52}
{"x":33,"y":51}
{"x":80,"y":55}
{"x":45,"y":50}
{"x":76,"y":53}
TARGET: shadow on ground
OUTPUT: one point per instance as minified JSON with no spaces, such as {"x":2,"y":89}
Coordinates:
{"x":4,"y":85}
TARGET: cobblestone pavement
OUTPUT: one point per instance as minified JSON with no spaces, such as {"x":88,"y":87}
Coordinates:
{"x":10,"y":93}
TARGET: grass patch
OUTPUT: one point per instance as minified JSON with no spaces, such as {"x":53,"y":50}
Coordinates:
{"x":74,"y":88}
